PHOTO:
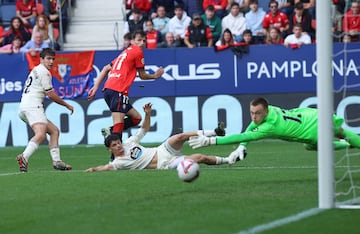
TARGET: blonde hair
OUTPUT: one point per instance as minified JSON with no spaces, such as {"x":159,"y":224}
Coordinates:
{"x":269,"y":40}
{"x":45,"y":30}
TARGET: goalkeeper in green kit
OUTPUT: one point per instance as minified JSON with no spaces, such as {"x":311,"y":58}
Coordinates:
{"x":271,"y":122}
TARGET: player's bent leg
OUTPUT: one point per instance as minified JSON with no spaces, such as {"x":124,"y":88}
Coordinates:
{"x":341,"y":144}
{"x":351,"y":137}
{"x":209,"y":160}
{"x":54,"y":133}
{"x":39,"y":132}
{"x":177,"y":141}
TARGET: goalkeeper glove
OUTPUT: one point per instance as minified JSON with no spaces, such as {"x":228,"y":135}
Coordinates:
{"x":201,"y":141}
{"x":237,"y":155}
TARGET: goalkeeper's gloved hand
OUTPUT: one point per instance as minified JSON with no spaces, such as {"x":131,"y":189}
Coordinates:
{"x":201,"y":141}
{"x":237,"y":155}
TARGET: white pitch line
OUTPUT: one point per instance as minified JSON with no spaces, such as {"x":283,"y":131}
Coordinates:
{"x":283,"y":221}
{"x":54,"y":171}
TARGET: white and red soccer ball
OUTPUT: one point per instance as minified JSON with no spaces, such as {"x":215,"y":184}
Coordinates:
{"x":188,"y":170}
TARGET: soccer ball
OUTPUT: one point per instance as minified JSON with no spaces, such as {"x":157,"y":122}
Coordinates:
{"x":188,"y":170}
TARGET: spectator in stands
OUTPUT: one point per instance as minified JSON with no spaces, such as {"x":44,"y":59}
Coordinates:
{"x":169,"y":41}
{"x":161,"y":21}
{"x":297,"y":38}
{"x":273,"y":36}
{"x":309,"y":6}
{"x":219,"y":5}
{"x":44,"y":27}
{"x":127,"y":40}
{"x":198,"y":34}
{"x":2,"y":34}
{"x":144,"y":7}
{"x":243,"y":5}
{"x":300,"y":16}
{"x":179,"y":23}
{"x":254,"y":19}
{"x":153,"y":37}
{"x":235,"y":21}
{"x":193,"y":6}
{"x":286,"y":7}
{"x":247,"y":37}
{"x":136,"y":23}
{"x":168,"y":4}
{"x":26,"y":11}
{"x":34,"y":46}
{"x":213,"y":21}
{"x":346,"y":38}
{"x":351,"y":21}
{"x":225,"y":41}
{"x":17,"y":28}
{"x":276,"y":19}
{"x":54,"y":12}
{"x":337,"y":12}
{"x":13,"y":47}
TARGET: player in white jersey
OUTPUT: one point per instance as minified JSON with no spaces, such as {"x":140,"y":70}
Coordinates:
{"x":132,"y":155}
{"x":31,"y":111}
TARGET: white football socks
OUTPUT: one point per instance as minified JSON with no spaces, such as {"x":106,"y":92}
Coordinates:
{"x":30,"y":149}
{"x":55,"y":153}
{"x":221,"y":160}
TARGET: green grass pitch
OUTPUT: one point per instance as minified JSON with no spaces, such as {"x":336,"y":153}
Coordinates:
{"x":276,"y":180}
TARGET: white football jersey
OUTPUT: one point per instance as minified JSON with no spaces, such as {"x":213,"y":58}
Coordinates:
{"x":38,"y":82}
{"x":136,"y":156}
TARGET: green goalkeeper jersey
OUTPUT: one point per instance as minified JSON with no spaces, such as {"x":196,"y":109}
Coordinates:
{"x":299,"y":124}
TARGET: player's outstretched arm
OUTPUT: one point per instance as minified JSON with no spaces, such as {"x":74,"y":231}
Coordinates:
{"x":146,"y":124}
{"x":201,"y":141}
{"x":107,"y":167}
{"x":54,"y":97}
{"x":145,"y":76}
{"x":104,"y":72}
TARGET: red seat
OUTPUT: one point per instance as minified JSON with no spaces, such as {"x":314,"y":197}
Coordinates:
{"x":56,"y":34}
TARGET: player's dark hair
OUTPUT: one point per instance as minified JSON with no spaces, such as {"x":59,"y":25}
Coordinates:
{"x":260,"y":101}
{"x":138,"y":32}
{"x":110,"y":138}
{"x":47,"y":52}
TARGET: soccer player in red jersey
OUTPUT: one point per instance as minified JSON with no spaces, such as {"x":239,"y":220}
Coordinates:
{"x":121,"y":74}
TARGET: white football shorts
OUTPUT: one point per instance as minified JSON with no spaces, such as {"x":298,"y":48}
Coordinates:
{"x":166,"y":155}
{"x":33,"y":115}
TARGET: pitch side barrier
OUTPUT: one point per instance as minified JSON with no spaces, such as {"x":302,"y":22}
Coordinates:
{"x":199,"y":87}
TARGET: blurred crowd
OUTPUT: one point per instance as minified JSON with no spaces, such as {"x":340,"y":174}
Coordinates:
{"x":35,"y":24}
{"x":219,"y":23}
{"x":31,"y":25}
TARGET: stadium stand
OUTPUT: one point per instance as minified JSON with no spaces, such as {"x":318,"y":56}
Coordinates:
{"x":101,"y":25}
{"x":7,"y":11}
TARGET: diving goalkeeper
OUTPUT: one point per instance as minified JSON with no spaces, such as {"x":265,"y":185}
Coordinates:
{"x":271,"y":122}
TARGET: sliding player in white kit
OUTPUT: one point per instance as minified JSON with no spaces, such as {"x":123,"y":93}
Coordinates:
{"x":132,"y":156}
{"x":31,"y":111}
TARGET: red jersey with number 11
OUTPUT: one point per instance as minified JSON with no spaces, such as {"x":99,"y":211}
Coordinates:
{"x":124,"y":68}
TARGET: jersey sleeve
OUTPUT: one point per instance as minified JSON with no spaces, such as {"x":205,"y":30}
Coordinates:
{"x":137,"y":137}
{"x":139,"y":59}
{"x":252,"y":133}
{"x":45,"y":79}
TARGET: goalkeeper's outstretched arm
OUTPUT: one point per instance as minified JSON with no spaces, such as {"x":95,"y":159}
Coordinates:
{"x":201,"y":141}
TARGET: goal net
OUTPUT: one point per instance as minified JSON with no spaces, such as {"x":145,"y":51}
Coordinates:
{"x":342,"y":63}
{"x":347,"y":162}
{"x":346,"y":90}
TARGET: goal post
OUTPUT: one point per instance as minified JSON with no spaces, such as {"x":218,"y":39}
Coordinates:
{"x":324,"y":88}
